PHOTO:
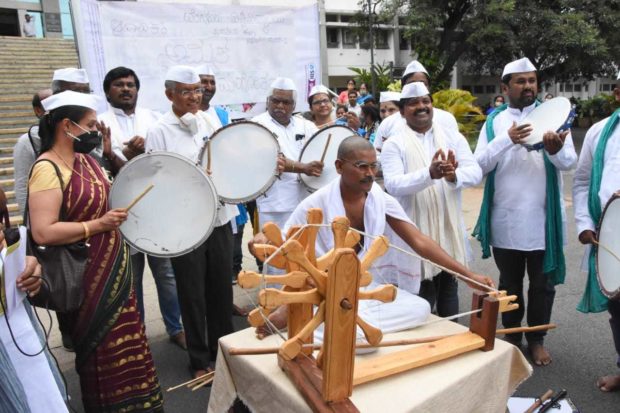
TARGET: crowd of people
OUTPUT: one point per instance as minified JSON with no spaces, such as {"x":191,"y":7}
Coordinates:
{"x":64,"y":167}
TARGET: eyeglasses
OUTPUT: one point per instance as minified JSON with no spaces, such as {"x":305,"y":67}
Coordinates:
{"x":285,"y":102}
{"x":186,"y":93}
{"x":320,"y":102}
{"x":363,"y":166}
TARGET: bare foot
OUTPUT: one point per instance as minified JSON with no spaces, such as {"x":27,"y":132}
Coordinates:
{"x":608,"y":383}
{"x":278,"y":318}
{"x":540,"y":355}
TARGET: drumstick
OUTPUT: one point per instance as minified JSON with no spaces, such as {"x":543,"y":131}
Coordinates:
{"x":139,"y":197}
{"x":191,"y":382}
{"x":209,"y":156}
{"x":525,"y":329}
{"x":606,"y":249}
{"x":329,"y":138}
{"x":539,"y":401}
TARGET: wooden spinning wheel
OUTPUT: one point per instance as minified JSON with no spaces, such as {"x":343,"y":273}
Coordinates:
{"x":332,"y":283}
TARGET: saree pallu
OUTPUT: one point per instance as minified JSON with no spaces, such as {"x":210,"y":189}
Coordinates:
{"x":113,"y":358}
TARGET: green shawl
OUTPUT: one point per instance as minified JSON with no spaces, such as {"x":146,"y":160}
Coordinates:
{"x":553,"y":264}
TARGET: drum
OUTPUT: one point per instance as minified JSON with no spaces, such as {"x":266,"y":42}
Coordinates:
{"x":173,"y":218}
{"x":243,"y":161}
{"x":555,"y":115}
{"x":313,"y":151}
{"x":608,"y":251}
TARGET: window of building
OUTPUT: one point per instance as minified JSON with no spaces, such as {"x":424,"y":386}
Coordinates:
{"x":466,"y":88}
{"x":586,"y":87}
{"x":364,"y":41}
{"x":561,"y":87}
{"x":331,"y":17}
{"x":576,"y":87}
{"x":490,"y":89}
{"x":345,"y":18}
{"x":403,"y":42}
{"x":381,"y":39}
{"x":402,"y":21}
{"x":478,"y":89}
{"x":332,"y":38}
{"x":348,"y":39}
{"x":568,"y":87}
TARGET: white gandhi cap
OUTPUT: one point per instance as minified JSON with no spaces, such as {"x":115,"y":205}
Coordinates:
{"x":320,"y":89}
{"x":283,"y":83}
{"x":414,"y":90}
{"x":389,"y":96}
{"x":205,"y":70}
{"x":183,"y":74}
{"x":71,"y":74}
{"x":71,"y":98}
{"x":519,"y":66}
{"x":414,"y":67}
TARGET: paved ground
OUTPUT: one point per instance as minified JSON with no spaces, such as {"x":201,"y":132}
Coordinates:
{"x":581,"y":346}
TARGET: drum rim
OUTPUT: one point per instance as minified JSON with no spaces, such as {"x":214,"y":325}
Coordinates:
{"x":607,"y":293}
{"x":566,"y":124}
{"x":215,"y":209}
{"x":303,"y":149}
{"x":265,"y":187}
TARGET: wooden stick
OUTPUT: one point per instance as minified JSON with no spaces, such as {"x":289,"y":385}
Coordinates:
{"x":606,"y":249}
{"x":203,"y":383}
{"x":391,"y":343}
{"x":539,"y":401}
{"x":190,"y":382}
{"x":139,"y":197}
{"x":209,"y":156}
{"x":329,"y":138}
{"x":525,"y":329}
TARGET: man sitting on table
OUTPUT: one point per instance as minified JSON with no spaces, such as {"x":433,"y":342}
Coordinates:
{"x":369,"y":209}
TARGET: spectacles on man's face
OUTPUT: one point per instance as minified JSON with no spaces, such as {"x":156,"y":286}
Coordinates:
{"x":320,"y":102}
{"x":277,"y":101}
{"x":363,"y":166}
{"x":185,"y":93}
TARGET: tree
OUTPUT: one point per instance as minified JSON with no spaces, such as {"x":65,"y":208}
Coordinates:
{"x":565,"y":39}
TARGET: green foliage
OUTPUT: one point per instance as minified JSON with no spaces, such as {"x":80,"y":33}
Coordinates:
{"x":395,"y":86}
{"x":383,"y":76}
{"x":598,"y":107}
{"x":461,"y":104}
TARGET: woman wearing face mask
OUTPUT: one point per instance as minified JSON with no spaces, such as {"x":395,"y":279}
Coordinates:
{"x":113,"y":358}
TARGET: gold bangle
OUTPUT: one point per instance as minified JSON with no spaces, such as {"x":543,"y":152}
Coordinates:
{"x":86,"y":230}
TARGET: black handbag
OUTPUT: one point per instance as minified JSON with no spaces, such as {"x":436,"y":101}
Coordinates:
{"x":62,"y":265}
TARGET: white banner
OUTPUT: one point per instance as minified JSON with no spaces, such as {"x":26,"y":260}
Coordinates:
{"x":247,"y":46}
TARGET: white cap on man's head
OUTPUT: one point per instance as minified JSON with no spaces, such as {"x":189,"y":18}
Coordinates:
{"x":519,"y":66}
{"x":183,"y":74}
{"x":389,"y":96}
{"x":414,"y":67}
{"x":205,"y":70}
{"x":320,"y":89}
{"x":71,"y":74}
{"x":283,"y":83}
{"x":71,"y":98}
{"x":414,"y":90}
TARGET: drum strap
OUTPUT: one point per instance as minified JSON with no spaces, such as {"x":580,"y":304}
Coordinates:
{"x":553,"y":264}
{"x":593,"y":300}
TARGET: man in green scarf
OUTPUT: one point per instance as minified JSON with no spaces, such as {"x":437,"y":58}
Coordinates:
{"x":597,"y":178}
{"x":522,"y":216}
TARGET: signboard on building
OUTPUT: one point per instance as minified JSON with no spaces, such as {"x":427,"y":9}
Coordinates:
{"x":52,"y":22}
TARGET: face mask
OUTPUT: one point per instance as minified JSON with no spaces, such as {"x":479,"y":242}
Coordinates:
{"x":85,"y":142}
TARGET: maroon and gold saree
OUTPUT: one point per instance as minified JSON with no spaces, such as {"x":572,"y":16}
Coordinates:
{"x":112,"y":355}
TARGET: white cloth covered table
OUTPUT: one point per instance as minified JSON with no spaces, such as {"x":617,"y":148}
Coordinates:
{"x":473,"y":382}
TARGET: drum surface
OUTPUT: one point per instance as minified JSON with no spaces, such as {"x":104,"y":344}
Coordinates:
{"x":244,"y":161}
{"x":608,"y":266}
{"x":549,"y":116}
{"x":174,"y":217}
{"x":313,"y":150}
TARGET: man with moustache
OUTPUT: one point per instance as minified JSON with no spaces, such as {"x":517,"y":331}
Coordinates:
{"x":203,"y":275}
{"x":425,"y":166}
{"x":522,"y":215}
{"x":128,"y":125}
{"x":414,"y":72}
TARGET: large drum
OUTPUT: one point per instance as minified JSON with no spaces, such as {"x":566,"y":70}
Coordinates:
{"x":243,"y":161}
{"x":554,"y":115}
{"x":608,"y":251}
{"x":313,"y":151}
{"x":173,"y":218}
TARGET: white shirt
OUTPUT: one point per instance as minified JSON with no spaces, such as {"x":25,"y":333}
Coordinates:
{"x":402,"y":183}
{"x":518,"y":218}
{"x":123,"y":127}
{"x":286,"y":192}
{"x":610,"y":181}
{"x":357,"y":109}
{"x":23,"y":159}
{"x":28,"y":28}
{"x":169,"y":135}
{"x":390,"y":125}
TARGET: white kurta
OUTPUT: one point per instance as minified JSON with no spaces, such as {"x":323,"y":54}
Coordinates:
{"x":391,"y":125}
{"x":23,"y":159}
{"x":402,"y":182}
{"x":286,"y":192}
{"x":169,"y":135}
{"x":407,"y":310}
{"x":518,"y":218}
{"x":610,"y":181}
{"x":123,"y":127}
